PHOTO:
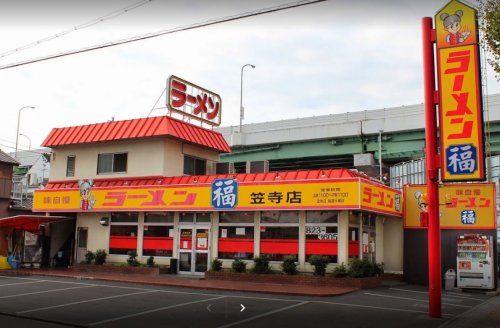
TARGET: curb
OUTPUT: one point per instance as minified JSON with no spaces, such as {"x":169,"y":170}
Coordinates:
{"x":156,"y":283}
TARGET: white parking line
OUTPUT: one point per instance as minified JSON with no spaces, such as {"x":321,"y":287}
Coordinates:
{"x":44,"y":291}
{"x":21,"y":283}
{"x":415,"y":299}
{"x":447,"y":294}
{"x":158,"y":290}
{"x":84,"y":301}
{"x":379,"y":308}
{"x":153,"y":310}
{"x":263,"y":315}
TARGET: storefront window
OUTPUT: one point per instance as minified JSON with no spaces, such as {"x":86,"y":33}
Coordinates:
{"x":191,"y":217}
{"x":279,"y":234}
{"x":236,"y":235}
{"x":368,"y":237}
{"x":123,"y":233}
{"x":322,"y":234}
{"x":158,"y":234}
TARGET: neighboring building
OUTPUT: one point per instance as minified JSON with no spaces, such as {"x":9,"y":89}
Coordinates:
{"x":7,"y":164}
{"x":32,"y":172}
{"x":147,"y":186}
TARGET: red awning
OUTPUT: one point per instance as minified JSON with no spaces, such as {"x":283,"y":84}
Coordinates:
{"x":29,"y":222}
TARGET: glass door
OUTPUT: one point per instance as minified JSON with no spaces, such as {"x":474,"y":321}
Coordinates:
{"x":193,"y":249}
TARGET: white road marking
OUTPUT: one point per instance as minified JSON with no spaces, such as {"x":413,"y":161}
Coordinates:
{"x":379,"y":308}
{"x":153,"y":310}
{"x":84,"y":301}
{"x":44,"y":291}
{"x":415,"y":299}
{"x":263,"y":315}
{"x":159,"y":290}
{"x":21,"y":283}
{"x":446,"y":294}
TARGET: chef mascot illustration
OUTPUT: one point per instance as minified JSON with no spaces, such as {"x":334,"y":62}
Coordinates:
{"x":88,"y":201}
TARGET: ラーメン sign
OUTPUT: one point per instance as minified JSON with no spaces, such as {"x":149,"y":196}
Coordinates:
{"x":461,"y":206}
{"x":460,"y":98}
{"x":225,"y":194}
{"x":194,"y":101}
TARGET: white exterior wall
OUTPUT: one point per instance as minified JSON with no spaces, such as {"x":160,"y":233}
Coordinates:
{"x":393,"y":242}
{"x":146,"y":157}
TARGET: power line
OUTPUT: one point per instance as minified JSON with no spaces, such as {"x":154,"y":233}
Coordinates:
{"x":164,"y":32}
{"x":93,"y":22}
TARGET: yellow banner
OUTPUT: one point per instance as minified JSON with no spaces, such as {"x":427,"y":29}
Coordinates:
{"x":380,"y":199}
{"x":332,"y":194}
{"x":455,"y":25}
{"x":462,"y":206}
{"x":460,"y":98}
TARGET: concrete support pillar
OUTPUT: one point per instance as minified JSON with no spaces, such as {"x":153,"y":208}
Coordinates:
{"x":343,"y":238}
{"x":302,"y":240}
{"x":175,"y":251}
{"x":214,"y":247}
{"x":140,"y":234}
{"x":256,"y":234}
{"x":379,"y":239}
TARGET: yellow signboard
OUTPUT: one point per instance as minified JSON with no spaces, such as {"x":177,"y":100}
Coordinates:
{"x":462,"y":206}
{"x":460,"y":97}
{"x":287,"y":195}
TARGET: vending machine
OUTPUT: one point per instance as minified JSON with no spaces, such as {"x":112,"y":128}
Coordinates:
{"x":475,"y":262}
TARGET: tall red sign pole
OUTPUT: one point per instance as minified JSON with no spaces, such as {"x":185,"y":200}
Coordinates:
{"x":432,"y":160}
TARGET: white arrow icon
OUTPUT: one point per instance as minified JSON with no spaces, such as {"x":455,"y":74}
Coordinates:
{"x":208,"y":308}
{"x":242,"y":308}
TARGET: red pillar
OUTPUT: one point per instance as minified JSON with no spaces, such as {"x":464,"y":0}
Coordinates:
{"x":432,"y":160}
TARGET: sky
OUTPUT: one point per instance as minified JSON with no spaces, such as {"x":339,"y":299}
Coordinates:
{"x":331,"y":57}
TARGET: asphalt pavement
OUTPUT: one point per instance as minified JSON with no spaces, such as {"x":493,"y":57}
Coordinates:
{"x":59,"y":302}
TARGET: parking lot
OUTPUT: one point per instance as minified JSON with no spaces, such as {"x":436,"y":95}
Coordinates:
{"x":57,"y":302}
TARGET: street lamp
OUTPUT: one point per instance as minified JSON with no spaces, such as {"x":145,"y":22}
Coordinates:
{"x":18,"y":120}
{"x":241,"y":93}
{"x":29,"y":140}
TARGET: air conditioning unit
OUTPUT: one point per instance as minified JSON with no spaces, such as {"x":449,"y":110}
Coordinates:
{"x":224,"y":168}
{"x":257,"y":167}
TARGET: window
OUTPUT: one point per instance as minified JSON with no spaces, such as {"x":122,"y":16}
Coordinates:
{"x":112,"y":163}
{"x":279,"y":234}
{"x":123,"y":233}
{"x":158,"y":237}
{"x":353,"y":249}
{"x":236,"y":235}
{"x":194,"y":166}
{"x":191,"y":217}
{"x":70,"y":166}
{"x":321,"y":234}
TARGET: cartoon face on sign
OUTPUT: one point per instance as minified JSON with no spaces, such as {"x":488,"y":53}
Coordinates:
{"x":452,"y":23}
{"x":88,"y":201}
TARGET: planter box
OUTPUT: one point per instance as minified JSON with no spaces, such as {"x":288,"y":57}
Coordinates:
{"x":108,"y":268}
{"x":300,"y":279}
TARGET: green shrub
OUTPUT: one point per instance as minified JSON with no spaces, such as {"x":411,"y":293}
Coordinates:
{"x":89,"y":257}
{"x":340,"y":271}
{"x":100,"y":256}
{"x":289,"y":266}
{"x":150,"y":262}
{"x":365,"y":268}
{"x":132,"y":258}
{"x":261,"y":264}
{"x":216,"y":265}
{"x":319,"y":262}
{"x":238,"y":265}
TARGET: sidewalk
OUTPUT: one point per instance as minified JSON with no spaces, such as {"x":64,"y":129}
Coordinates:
{"x":197,"y":283}
{"x":484,"y":315}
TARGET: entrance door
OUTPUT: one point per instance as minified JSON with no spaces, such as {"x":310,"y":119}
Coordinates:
{"x":81,"y":244}
{"x":193,"y":249}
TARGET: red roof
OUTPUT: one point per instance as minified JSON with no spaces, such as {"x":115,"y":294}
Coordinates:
{"x":161,"y":126}
{"x":205,"y":179}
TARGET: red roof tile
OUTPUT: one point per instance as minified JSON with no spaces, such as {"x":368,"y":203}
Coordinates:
{"x":161,"y":126}
{"x":204,"y":179}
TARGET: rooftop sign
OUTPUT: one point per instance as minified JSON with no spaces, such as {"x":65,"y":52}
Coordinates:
{"x":194,"y":101}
